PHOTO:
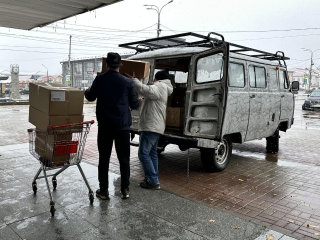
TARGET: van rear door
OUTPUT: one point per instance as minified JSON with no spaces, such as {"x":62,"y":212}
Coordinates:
{"x":206,"y":93}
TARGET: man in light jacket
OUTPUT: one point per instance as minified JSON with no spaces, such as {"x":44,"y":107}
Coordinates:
{"x":152,"y":123}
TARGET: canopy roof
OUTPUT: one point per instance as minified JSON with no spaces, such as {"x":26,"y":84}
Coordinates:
{"x":29,"y":14}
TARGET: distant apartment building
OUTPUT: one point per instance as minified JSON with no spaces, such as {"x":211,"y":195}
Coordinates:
{"x":302,"y":75}
{"x":83,"y":71}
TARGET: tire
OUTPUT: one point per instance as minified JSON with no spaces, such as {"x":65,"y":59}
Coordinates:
{"x":216,"y":160}
{"x":273,"y":142}
{"x":160,"y":151}
{"x":303,"y":107}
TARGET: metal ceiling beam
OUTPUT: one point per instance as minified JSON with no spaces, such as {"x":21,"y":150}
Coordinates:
{"x":30,"y":14}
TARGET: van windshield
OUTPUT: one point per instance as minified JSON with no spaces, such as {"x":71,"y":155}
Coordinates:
{"x":315,"y":94}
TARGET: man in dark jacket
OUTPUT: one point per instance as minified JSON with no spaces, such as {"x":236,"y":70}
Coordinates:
{"x":115,"y":96}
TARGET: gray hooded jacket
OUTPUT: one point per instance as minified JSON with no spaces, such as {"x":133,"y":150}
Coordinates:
{"x":153,"y":112}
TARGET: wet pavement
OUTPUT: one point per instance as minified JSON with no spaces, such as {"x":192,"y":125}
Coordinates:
{"x":280,"y":191}
{"x":146,"y":214}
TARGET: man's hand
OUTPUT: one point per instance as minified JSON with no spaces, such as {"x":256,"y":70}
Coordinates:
{"x":140,"y":101}
{"x":129,"y":76}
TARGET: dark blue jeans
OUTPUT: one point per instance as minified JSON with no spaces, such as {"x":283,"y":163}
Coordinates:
{"x":148,"y":155}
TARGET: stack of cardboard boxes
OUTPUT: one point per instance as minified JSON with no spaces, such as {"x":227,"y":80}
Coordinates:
{"x":53,"y":104}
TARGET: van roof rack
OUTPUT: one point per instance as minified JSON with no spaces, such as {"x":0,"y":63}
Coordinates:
{"x":191,"y":39}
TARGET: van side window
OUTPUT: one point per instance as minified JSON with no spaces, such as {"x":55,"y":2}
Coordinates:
{"x":210,"y":68}
{"x":283,"y":80}
{"x":236,"y":75}
{"x":257,"y":77}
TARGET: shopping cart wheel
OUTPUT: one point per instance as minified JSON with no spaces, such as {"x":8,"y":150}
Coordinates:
{"x":34,"y":187}
{"x":54,"y":183}
{"x":52,"y":210}
{"x":91,"y":198}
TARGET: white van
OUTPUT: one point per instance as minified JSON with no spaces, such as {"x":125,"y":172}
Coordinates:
{"x":227,"y":92}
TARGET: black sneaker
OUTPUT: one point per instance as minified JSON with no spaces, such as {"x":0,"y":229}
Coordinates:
{"x":145,"y":184}
{"x":124,"y":193}
{"x":103,"y":196}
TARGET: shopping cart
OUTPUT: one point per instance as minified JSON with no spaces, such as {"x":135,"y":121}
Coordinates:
{"x":59,"y":147}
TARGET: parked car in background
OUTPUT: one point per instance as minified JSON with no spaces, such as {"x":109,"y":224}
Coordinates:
{"x":5,"y":100}
{"x":24,"y":91}
{"x":313,"y":101}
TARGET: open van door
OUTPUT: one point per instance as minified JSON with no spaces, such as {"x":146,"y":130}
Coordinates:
{"x":206,"y":92}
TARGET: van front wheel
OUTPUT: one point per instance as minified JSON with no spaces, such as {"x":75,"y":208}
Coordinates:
{"x":216,"y":160}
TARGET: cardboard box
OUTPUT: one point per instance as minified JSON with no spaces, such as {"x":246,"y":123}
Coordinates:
{"x":42,"y":121}
{"x":56,"y":99}
{"x":44,"y":146}
{"x":141,"y":69}
{"x":175,"y":118}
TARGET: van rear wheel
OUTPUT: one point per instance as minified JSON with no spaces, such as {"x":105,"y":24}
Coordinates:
{"x":216,"y":160}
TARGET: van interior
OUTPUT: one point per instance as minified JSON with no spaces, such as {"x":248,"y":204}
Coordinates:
{"x":178,"y":70}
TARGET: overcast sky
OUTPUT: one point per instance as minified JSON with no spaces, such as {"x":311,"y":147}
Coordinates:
{"x":98,"y":32}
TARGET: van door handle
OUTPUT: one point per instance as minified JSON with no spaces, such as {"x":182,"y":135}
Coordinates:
{"x":252,"y":96}
{"x":282,"y":96}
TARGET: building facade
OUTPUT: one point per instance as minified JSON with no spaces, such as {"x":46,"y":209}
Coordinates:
{"x":82,"y":71}
{"x":302,"y":76}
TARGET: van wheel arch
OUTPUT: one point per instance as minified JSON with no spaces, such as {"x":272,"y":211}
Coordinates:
{"x":283,"y":126}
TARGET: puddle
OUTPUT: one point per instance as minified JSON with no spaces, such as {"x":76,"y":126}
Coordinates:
{"x":307,"y":125}
{"x":274,"y":159}
{"x":311,"y":116}
{"x":261,"y":156}
{"x":312,"y":125}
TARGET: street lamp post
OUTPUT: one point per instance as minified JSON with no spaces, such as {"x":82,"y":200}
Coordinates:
{"x":47,"y":73}
{"x":311,"y":64}
{"x":154,"y":7}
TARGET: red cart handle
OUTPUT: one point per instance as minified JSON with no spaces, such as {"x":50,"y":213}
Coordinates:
{"x":50,"y":127}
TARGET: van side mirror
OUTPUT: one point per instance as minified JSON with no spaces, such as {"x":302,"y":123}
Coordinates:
{"x":295,"y":86}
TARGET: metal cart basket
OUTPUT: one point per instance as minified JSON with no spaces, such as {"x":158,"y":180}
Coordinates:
{"x":59,"y":147}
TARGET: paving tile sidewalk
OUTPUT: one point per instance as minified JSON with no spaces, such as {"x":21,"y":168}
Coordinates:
{"x":280,"y":191}
{"x":145,"y":215}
